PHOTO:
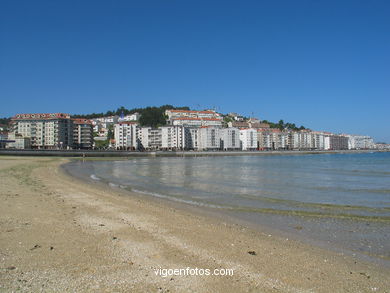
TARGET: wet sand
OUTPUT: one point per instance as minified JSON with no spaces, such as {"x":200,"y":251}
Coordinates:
{"x":60,"y":234}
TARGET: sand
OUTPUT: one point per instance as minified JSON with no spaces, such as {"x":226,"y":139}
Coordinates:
{"x":59,"y":234}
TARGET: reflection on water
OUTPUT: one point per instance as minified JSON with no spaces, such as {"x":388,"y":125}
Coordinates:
{"x":353,"y":187}
{"x":311,"y":183}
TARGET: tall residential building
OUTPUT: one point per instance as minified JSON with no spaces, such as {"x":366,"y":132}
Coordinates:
{"x":248,"y":138}
{"x":338,"y":142}
{"x":209,"y":138}
{"x":230,"y":139}
{"x":46,"y":131}
{"x":173,"y":137}
{"x":196,"y":122}
{"x":125,"y":134}
{"x":359,"y":142}
{"x":82,"y":134}
{"x":173,"y":114}
{"x":194,"y":118}
{"x":191,"y":138}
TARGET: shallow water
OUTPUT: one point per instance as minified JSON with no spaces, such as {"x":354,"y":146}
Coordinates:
{"x":337,"y":199}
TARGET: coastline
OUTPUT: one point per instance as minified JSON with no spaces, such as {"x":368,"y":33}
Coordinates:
{"x":115,"y":153}
{"x":87,"y":237}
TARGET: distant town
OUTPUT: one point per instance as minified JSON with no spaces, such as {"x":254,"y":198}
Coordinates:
{"x":169,"y":128}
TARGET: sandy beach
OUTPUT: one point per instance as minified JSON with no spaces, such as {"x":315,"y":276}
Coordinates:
{"x":59,"y":234}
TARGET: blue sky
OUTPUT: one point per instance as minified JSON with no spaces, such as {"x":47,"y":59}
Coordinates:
{"x":323,"y":64}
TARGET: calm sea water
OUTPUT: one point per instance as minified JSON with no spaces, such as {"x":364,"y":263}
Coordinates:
{"x":337,"y":199}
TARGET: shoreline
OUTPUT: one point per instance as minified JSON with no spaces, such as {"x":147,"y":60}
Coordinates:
{"x":115,"y":153}
{"x":298,"y":221}
{"x":103,"y":240}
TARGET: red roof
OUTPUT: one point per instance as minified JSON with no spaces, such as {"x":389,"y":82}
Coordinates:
{"x":193,"y":118}
{"x":192,"y":111}
{"x":128,"y":122}
{"x":41,"y":116}
{"x":81,"y":121}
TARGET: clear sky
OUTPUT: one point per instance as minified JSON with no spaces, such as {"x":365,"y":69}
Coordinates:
{"x":323,"y":64}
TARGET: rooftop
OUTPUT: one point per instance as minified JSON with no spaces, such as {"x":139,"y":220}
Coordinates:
{"x":41,"y":116}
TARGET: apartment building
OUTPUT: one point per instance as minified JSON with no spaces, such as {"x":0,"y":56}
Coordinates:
{"x":264,"y":139}
{"x":125,"y":134}
{"x":248,"y":124}
{"x":46,"y":131}
{"x":173,"y":137}
{"x":17,"y":141}
{"x":360,"y":142}
{"x":130,"y":117}
{"x":196,"y":122}
{"x":174,"y":114}
{"x":154,"y":138}
{"x":194,"y":118}
{"x":102,"y":125}
{"x":191,"y":138}
{"x":82,"y":134}
{"x":230,"y":139}
{"x":209,"y":138}
{"x":248,"y":139}
{"x":338,"y":142}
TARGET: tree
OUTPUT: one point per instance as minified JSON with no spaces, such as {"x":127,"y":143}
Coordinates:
{"x":153,"y":116}
{"x":101,"y":144}
{"x":110,"y":133}
{"x":281,"y":124}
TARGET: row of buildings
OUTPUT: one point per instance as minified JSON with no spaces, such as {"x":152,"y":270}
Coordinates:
{"x":49,"y":131}
{"x":130,"y":136}
{"x":185,"y":130}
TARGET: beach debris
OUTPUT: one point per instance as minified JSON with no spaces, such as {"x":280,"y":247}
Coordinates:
{"x":10,"y":268}
{"x":114,"y":238}
{"x":101,"y":225}
{"x":35,"y":247}
{"x":298,"y":228}
{"x":252,"y":252}
{"x":51,"y":247}
{"x":364,"y":274}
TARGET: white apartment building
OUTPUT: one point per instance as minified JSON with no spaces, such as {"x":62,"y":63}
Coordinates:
{"x":248,"y":138}
{"x":142,"y":137}
{"x":303,"y":140}
{"x":196,"y":122}
{"x":194,"y":118}
{"x":125,"y":134}
{"x":173,"y":137}
{"x":192,"y":138}
{"x":101,"y":125}
{"x":17,"y":141}
{"x":173,"y":114}
{"x":129,"y":117}
{"x":358,"y":142}
{"x":154,"y":138}
{"x":230,"y":139}
{"x":209,"y":138}
{"x":46,"y":131}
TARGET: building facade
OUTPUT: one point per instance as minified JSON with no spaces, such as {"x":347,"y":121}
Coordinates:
{"x":125,"y":135}
{"x":230,"y":139}
{"x":209,"y":138}
{"x":46,"y":131}
{"x":82,"y":134}
{"x":173,"y":137}
{"x":248,"y":139}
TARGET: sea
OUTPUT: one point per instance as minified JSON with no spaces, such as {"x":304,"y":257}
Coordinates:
{"x":337,"y":201}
